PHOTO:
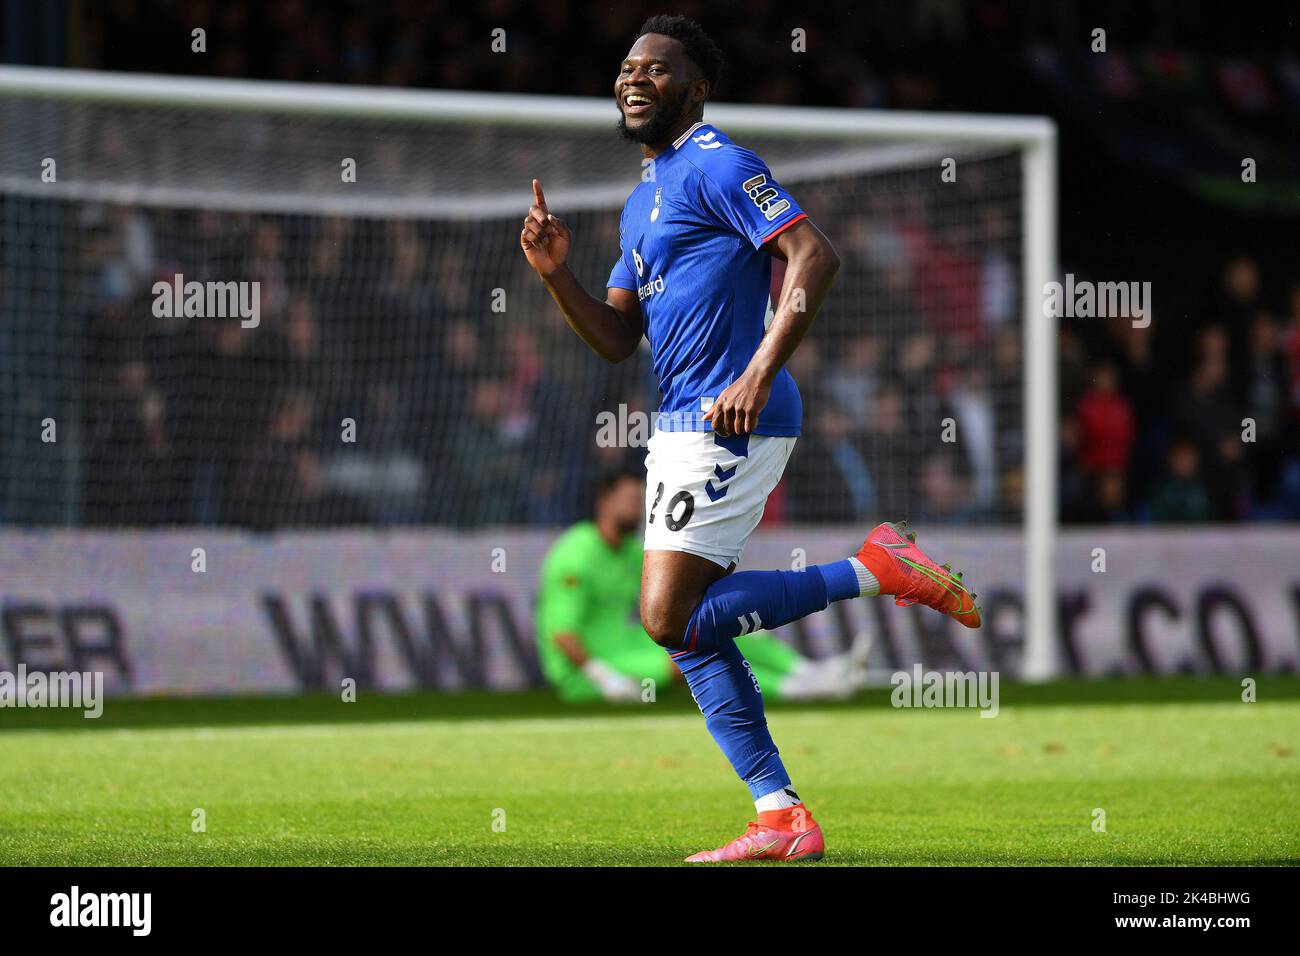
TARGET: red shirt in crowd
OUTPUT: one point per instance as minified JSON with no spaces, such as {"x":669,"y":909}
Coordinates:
{"x":1106,"y":431}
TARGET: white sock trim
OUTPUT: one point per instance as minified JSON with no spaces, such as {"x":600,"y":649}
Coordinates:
{"x":780,"y":799}
{"x":868,"y":586}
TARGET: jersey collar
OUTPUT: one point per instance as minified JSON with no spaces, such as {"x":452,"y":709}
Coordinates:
{"x":677,"y":143}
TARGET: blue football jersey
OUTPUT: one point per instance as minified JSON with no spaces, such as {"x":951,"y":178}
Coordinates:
{"x":691,"y":239}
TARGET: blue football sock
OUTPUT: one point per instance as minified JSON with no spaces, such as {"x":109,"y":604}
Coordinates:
{"x":753,"y":600}
{"x":727,"y":693}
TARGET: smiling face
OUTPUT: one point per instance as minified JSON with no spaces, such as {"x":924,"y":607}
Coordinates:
{"x":659,"y":91}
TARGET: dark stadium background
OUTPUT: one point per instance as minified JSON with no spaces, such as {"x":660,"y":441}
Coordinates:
{"x":1151,"y":140}
{"x":351,"y":677}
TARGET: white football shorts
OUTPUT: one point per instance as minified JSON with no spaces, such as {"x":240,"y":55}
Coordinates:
{"x":705,"y":495}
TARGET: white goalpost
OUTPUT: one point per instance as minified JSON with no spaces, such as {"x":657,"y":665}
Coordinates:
{"x":107,"y":180}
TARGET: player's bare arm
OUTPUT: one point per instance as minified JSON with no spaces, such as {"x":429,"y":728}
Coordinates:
{"x":570,"y":646}
{"x":811,"y":264}
{"x":613,"y":328}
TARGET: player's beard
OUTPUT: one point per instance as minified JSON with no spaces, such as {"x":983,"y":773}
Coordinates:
{"x":658,"y":129}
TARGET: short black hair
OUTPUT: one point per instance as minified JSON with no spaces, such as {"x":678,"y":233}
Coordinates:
{"x":698,"y":44}
{"x":610,"y":476}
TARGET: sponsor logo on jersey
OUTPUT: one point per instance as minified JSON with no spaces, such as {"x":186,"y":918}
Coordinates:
{"x":655,"y":285}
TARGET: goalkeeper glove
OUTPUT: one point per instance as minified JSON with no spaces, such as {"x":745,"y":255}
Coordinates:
{"x":613,"y":686}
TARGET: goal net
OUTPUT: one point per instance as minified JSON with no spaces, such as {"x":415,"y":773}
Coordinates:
{"x":268,"y":305}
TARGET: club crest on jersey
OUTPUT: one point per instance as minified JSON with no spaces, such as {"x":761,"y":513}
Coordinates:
{"x":659,"y":199}
{"x":762,"y":195}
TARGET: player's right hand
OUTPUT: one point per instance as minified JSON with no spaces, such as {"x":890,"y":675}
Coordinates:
{"x":545,"y":238}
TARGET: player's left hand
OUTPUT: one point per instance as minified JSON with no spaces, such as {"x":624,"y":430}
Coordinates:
{"x":735,"y":411}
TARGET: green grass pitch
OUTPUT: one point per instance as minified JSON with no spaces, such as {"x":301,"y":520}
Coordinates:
{"x":1185,"y":772}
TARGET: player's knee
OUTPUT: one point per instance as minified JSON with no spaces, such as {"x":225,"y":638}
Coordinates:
{"x":664,"y":623}
{"x":666,"y":632}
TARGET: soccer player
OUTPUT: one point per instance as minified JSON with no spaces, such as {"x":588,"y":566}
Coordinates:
{"x":589,"y":634}
{"x":698,"y":235}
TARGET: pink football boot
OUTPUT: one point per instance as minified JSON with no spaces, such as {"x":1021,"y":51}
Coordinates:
{"x":790,"y":834}
{"x":908,"y":573}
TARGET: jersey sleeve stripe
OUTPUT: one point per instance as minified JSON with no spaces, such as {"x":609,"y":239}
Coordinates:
{"x":782,"y":228}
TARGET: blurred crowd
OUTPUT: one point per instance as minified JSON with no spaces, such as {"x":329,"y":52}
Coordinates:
{"x":463,"y":416}
{"x":923,"y":54}
{"x":1183,"y":421}
{"x":564,"y":47}
{"x":370,"y":391}
{"x":377,"y":389}
{"x":380,"y":387}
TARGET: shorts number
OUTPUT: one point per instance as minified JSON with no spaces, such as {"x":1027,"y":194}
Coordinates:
{"x":659,"y":493}
{"x":672,"y":522}
{"x":675,"y":523}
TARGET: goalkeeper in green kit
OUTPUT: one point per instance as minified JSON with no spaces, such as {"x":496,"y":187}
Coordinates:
{"x":590,"y":639}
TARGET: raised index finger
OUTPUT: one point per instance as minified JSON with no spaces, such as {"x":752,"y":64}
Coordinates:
{"x":538,"y":198}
